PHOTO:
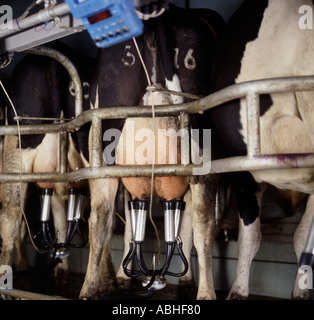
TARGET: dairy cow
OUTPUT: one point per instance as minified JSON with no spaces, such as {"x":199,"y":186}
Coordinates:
{"x":177,"y":48}
{"x":264,"y":39}
{"x":39,"y":88}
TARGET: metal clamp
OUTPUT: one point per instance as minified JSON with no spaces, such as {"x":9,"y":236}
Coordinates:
{"x":172,"y":213}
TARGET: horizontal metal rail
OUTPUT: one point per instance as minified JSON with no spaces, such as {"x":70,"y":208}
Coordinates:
{"x":232,"y":164}
{"x":26,"y":295}
{"x":241,"y":90}
{"x":253,"y":161}
{"x":42,"y":16}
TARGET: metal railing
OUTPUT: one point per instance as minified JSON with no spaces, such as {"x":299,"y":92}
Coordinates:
{"x":26,"y":295}
{"x":253,"y":161}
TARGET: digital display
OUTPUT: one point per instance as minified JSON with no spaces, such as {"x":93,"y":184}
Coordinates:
{"x":100,"y":17}
{"x":108,"y":22}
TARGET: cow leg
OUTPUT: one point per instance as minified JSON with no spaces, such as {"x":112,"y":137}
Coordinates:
{"x":20,"y":255}
{"x":187,"y":288}
{"x":58,"y":206}
{"x":248,"y":243}
{"x":122,"y":279}
{"x":204,"y":197}
{"x":107,"y":275}
{"x":103,"y":192}
{"x":300,"y":237}
{"x":13,"y":197}
{"x":10,"y":221}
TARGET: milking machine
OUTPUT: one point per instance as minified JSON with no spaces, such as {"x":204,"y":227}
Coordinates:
{"x":46,"y":240}
{"x":307,"y":256}
{"x":45,"y":234}
{"x":155,"y":278}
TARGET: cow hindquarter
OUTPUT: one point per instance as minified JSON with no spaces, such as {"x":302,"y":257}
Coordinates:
{"x":276,"y":47}
{"x":286,"y":124}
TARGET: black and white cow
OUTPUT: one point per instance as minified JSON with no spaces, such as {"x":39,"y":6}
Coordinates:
{"x":39,"y":87}
{"x":264,"y":40}
{"x":177,"y":48}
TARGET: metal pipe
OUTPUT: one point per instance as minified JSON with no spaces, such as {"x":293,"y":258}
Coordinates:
{"x":40,"y":17}
{"x":253,"y":124}
{"x":309,"y":245}
{"x":96,"y":148}
{"x":239,"y":90}
{"x":169,"y":207}
{"x":185,"y":125}
{"x":46,"y":204}
{"x":276,"y":85}
{"x":80,"y":206}
{"x":28,"y":295}
{"x":217,"y":166}
{"x":235,"y":164}
{"x":63,"y":153}
{"x":133,"y":215}
{"x":142,"y":207}
{"x":179,"y":209}
{"x":69,"y":66}
{"x":71,"y":204}
{"x":307,"y":256}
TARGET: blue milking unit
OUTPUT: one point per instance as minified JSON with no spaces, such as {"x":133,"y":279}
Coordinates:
{"x":108,"y":21}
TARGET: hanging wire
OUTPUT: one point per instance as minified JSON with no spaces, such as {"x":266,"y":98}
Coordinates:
{"x":20,"y":184}
{"x":150,"y":89}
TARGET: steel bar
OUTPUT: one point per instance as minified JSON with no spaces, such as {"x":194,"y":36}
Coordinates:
{"x":251,"y":89}
{"x":267,"y":162}
{"x":96,"y":148}
{"x":185,"y":147}
{"x":71,"y":69}
{"x":31,"y":38}
{"x":87,"y":116}
{"x":99,"y":172}
{"x":239,"y":90}
{"x":234,"y":164}
{"x":26,"y":295}
{"x":253,"y":125}
{"x":233,"y":92}
{"x":42,"y":16}
{"x":63,"y":152}
{"x":309,"y":245}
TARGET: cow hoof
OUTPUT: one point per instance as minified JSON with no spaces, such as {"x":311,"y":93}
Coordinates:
{"x":61,"y":277}
{"x":107,"y":288}
{"x":124,"y":283}
{"x":307,"y":296}
{"x":187,"y":290}
{"x":236,"y":296}
{"x":91,"y":295}
{"x":89,"y":291}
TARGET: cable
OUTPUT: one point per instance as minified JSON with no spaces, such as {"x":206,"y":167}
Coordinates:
{"x":149,"y":88}
{"x":20,"y":185}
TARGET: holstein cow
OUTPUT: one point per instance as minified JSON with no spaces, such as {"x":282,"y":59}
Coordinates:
{"x":40,"y":87}
{"x":264,"y":40}
{"x":177,"y":48}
